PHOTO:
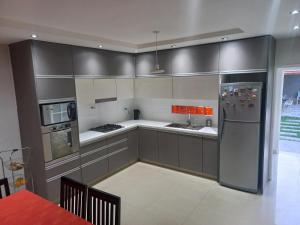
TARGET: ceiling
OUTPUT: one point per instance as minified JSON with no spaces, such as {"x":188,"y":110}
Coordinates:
{"x":127,"y":25}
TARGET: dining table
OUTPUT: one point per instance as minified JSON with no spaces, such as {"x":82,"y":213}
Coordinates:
{"x":27,"y":208}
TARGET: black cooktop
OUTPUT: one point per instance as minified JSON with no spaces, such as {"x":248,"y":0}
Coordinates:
{"x":107,"y":128}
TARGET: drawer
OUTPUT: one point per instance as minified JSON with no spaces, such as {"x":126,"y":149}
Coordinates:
{"x":60,"y":167}
{"x":117,"y":143}
{"x":92,"y":146}
{"x":53,"y":184}
{"x":94,"y":170}
{"x":94,"y":154}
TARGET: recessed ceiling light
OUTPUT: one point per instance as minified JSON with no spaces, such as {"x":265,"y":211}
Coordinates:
{"x":33,"y":35}
{"x":173,"y":46}
{"x":294,"y":12}
{"x":100,"y":46}
{"x":296,"y":27}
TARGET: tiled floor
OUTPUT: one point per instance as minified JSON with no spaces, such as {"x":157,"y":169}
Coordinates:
{"x":156,"y":196}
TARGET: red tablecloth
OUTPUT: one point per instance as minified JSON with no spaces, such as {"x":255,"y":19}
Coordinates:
{"x":26,"y":208}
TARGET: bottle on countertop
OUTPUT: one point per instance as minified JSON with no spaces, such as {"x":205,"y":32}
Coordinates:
{"x":208,"y":122}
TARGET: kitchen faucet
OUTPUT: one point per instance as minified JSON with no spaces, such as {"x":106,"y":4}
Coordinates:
{"x":189,"y":121}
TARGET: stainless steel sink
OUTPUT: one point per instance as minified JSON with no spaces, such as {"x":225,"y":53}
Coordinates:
{"x":184,"y":126}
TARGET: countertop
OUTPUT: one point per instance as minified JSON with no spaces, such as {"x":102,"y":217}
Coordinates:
{"x":93,"y":136}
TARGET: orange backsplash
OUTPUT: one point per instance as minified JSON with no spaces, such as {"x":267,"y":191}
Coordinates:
{"x":194,"y":110}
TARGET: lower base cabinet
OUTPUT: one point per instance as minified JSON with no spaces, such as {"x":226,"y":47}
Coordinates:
{"x":133,"y":146}
{"x":53,"y":184}
{"x":148,"y":149}
{"x":210,"y":157}
{"x":168,"y":149}
{"x":94,"y":170}
{"x":190,"y":153}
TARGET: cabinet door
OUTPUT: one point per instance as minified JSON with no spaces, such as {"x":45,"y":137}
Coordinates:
{"x":120,"y":64}
{"x":95,"y":170}
{"x":53,"y":183}
{"x":89,"y":61}
{"x":196,"y":87}
{"x":105,"y":89}
{"x":245,"y":54}
{"x":196,"y":59}
{"x":133,"y":142}
{"x":190,"y":153}
{"x":168,"y":149}
{"x":153,"y":88}
{"x":53,"y":88}
{"x":84,"y":91}
{"x":52,"y":58}
{"x":118,"y":151}
{"x":145,"y":62}
{"x":210,"y":157}
{"x":125,"y":88}
{"x":148,"y":149}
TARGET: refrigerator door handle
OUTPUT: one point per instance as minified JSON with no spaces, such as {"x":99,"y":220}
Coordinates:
{"x":222,"y":125}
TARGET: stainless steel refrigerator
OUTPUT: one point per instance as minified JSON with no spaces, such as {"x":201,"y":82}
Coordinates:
{"x":240,"y":126}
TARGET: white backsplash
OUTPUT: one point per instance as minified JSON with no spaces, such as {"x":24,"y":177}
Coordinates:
{"x":106,"y":112}
{"x":151,"y":109}
{"x":161,"y":110}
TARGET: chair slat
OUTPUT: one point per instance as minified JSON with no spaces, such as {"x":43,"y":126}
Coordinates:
{"x":106,"y":209}
{"x":73,"y":196}
{"x":4,"y":183}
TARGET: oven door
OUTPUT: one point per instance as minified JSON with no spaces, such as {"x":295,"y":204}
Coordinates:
{"x":58,"y":113}
{"x":60,"y":143}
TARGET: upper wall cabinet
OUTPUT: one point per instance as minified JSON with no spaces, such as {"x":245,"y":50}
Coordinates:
{"x":196,"y":59}
{"x":245,"y":54}
{"x":125,"y":88}
{"x":52,"y":59}
{"x":98,"y":62}
{"x":145,"y":62}
{"x":196,"y":87}
{"x":158,"y":87}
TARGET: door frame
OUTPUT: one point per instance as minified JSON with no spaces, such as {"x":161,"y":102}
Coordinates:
{"x":276,"y":111}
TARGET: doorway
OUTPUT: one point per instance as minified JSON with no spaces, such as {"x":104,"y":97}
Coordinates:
{"x":289,"y":139}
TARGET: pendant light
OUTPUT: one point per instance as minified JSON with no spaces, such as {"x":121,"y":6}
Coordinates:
{"x":156,"y":70}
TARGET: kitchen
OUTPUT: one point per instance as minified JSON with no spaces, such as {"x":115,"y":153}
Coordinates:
{"x":202,"y":112}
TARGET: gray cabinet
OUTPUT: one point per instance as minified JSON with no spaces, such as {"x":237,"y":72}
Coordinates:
{"x":53,"y":183}
{"x":210,"y":157}
{"x":52,"y":58}
{"x":98,"y":62}
{"x":168,"y":149}
{"x":245,"y":54}
{"x":94,"y":162}
{"x":145,"y":62}
{"x":190,"y":153}
{"x":118,"y":152}
{"x":133,"y":145}
{"x":196,"y":59}
{"x":148,"y":149}
{"x":53,"y":88}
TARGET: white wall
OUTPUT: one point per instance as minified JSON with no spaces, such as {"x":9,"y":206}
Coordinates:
{"x":9,"y":124}
{"x":106,"y":112}
{"x":161,"y":110}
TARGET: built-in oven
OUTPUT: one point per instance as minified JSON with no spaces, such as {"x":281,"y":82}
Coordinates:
{"x":60,"y":140}
{"x":59,"y":129}
{"x":58,"y":112}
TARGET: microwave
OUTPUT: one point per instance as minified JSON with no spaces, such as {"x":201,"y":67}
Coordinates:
{"x":59,"y":112}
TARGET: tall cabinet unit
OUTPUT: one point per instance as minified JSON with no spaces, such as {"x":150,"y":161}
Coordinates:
{"x":43,"y":73}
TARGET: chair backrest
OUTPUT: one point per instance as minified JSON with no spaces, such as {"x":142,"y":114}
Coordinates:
{"x":4,"y":183}
{"x":73,"y":196}
{"x":103,"y":208}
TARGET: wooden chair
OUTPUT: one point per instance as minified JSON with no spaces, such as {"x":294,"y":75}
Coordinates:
{"x":4,"y":183}
{"x":73,"y":196}
{"x":103,"y":208}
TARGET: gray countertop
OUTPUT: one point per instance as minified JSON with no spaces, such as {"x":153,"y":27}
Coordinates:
{"x":88,"y":137}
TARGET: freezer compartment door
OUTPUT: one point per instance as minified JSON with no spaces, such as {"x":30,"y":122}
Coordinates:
{"x":241,"y":101}
{"x":239,"y":155}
